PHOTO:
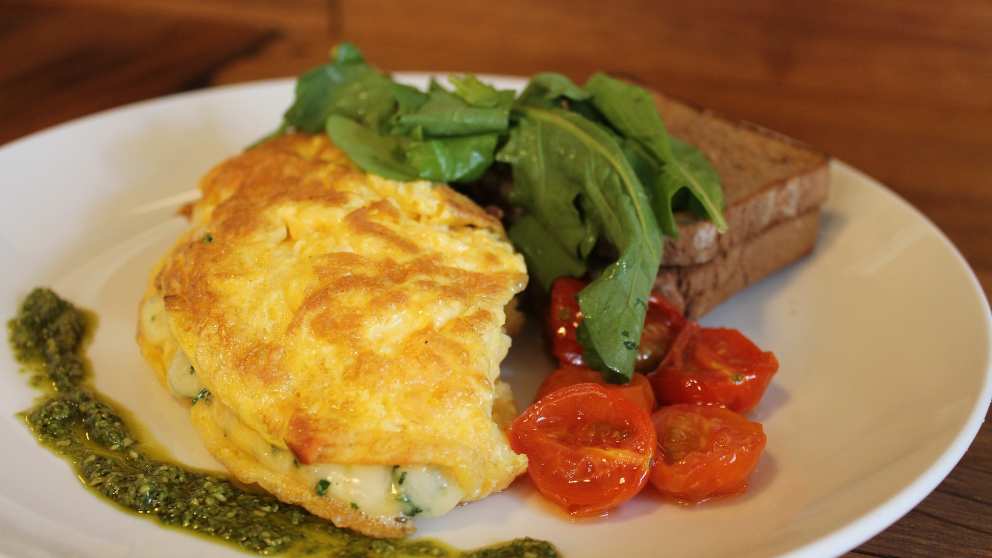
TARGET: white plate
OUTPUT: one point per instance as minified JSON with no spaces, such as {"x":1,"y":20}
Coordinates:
{"x":883,"y":337}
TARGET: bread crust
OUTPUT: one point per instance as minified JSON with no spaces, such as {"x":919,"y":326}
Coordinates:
{"x":697,"y":289}
{"x":767,"y":179}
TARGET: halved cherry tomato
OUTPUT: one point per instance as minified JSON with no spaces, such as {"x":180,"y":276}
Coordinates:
{"x":704,"y":451}
{"x":638,"y":390}
{"x":661,"y":325}
{"x":716,"y":366}
{"x":564,"y":318}
{"x":589,"y":448}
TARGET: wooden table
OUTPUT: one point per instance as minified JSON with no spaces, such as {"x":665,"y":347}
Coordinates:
{"x":901,"y":89}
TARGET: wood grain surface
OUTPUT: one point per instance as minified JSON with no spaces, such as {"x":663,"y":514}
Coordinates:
{"x":901,"y":89}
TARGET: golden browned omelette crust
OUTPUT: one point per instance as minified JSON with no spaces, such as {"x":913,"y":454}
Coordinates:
{"x":347,"y":318}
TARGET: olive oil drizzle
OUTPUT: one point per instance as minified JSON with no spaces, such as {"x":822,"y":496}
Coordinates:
{"x":79,"y":424}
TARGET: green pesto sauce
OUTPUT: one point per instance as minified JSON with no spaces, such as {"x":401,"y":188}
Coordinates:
{"x":79,"y":424}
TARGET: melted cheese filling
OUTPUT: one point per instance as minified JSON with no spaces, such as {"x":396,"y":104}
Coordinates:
{"x":182,"y":377}
{"x":392,"y":491}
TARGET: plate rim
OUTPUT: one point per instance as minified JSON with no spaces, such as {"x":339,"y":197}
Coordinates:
{"x":851,"y":533}
{"x":886,"y":514}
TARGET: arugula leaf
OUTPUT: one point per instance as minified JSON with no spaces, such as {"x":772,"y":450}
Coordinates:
{"x":457,"y":159}
{"x":396,"y":130}
{"x":447,"y":114}
{"x":652,"y":175}
{"x":538,"y":244}
{"x":347,"y":53}
{"x":479,"y":94}
{"x":544,"y":184}
{"x":695,"y":163}
{"x":402,"y":158}
{"x":347,"y":86}
{"x":373,"y":152}
{"x":408,"y":98}
{"x":631,"y":111}
{"x":558,"y":158}
{"x":548,"y":89}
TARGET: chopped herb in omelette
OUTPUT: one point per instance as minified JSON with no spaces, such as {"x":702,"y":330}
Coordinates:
{"x":202,"y":395}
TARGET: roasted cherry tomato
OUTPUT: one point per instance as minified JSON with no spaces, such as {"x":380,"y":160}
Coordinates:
{"x":661,"y":324}
{"x":637,"y":390}
{"x":704,"y":451}
{"x":589,"y":448}
{"x":714,"y":365}
{"x":564,"y":318}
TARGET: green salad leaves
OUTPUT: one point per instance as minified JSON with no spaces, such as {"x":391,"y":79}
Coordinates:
{"x":592,"y":165}
{"x":395,"y":130}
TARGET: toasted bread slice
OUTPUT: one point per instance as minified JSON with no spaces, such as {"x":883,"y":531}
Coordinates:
{"x":767,"y":179}
{"x":697,"y":289}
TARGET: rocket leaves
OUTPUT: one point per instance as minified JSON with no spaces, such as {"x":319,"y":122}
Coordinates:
{"x":591,"y":165}
{"x":631,"y":111}
{"x":597,"y":161}
{"x":395,"y":130}
{"x":347,"y":87}
{"x":567,"y":158}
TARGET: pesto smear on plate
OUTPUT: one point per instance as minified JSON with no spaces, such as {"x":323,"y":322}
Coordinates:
{"x":77,"y":423}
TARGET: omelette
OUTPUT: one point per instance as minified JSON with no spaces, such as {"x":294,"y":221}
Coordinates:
{"x":338,"y":335}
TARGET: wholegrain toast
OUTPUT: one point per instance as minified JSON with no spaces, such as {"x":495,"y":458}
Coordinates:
{"x":773,"y":188}
{"x":698,"y":288}
{"x":767,"y":178}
